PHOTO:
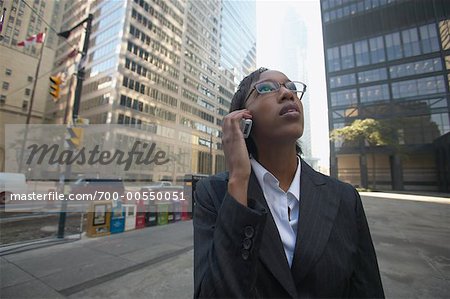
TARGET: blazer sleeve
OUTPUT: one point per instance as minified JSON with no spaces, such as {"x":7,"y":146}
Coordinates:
{"x":227,"y":238}
{"x":366,"y":280}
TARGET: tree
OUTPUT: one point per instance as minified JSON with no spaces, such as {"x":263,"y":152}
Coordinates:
{"x":370,"y":131}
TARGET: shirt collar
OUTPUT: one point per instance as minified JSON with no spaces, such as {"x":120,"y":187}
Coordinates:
{"x":265,"y":177}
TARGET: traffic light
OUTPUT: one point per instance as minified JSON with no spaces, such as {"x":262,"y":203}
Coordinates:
{"x":74,"y":137}
{"x":55,"y":88}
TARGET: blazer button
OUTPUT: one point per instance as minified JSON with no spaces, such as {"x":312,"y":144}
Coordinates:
{"x":247,"y":243}
{"x":249,"y":231}
{"x":245,"y":254}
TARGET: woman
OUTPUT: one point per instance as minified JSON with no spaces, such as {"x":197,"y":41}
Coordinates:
{"x":272,"y":226}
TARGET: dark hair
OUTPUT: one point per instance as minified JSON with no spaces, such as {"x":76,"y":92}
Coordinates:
{"x":238,"y":102}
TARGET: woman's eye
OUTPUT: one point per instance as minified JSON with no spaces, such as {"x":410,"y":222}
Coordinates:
{"x":266,"y":87}
{"x":291,"y":86}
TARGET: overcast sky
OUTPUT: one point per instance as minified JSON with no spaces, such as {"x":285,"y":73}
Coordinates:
{"x":272,"y":19}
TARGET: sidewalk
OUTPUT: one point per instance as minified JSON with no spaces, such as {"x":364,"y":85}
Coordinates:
{"x":67,"y":270}
{"x":411,"y":235}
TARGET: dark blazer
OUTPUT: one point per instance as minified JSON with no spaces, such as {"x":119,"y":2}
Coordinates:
{"x":238,"y":252}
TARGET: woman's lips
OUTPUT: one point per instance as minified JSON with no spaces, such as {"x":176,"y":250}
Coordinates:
{"x":289,"y":108}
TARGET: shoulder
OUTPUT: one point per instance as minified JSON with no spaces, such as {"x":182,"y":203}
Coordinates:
{"x":212,"y":188}
{"x":336,"y":186}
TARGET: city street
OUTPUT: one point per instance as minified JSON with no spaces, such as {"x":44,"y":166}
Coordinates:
{"x":410,"y":233}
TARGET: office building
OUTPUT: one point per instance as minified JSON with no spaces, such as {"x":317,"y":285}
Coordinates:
{"x":389,"y":60}
{"x":23,"y":19}
{"x":160,"y":68}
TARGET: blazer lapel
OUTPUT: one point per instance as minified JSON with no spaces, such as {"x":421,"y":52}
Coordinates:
{"x":318,"y":209}
{"x":271,"y":252}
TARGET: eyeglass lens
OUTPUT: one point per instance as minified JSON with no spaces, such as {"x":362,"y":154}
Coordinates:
{"x":270,"y":86}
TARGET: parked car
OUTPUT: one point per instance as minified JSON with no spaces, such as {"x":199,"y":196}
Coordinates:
{"x":90,"y":185}
{"x":11,"y":183}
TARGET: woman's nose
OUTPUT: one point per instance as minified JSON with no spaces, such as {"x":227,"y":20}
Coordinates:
{"x":286,"y":93}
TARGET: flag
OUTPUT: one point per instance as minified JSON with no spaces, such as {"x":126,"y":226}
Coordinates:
{"x":2,"y":17}
{"x":34,"y":39}
{"x":69,"y":56}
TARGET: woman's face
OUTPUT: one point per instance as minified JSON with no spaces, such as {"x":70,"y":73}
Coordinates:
{"x":277,"y":115}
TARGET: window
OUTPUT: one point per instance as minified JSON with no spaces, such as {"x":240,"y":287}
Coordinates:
{"x":30,"y":79}
{"x":377,"y":49}
{"x":410,"y":42}
{"x":334,"y":63}
{"x":2,"y":99}
{"x":5,"y":85}
{"x":415,"y":68}
{"x":343,"y":80}
{"x":347,"y":56}
{"x":27,"y":91}
{"x":372,"y":75}
{"x":24,"y":105}
{"x":344,"y":97}
{"x":417,"y":87}
{"x":429,"y":38}
{"x":362,"y":53}
{"x":8,"y":72}
{"x":374,"y":93}
{"x":393,"y":46}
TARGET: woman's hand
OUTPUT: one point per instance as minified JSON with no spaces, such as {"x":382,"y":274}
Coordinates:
{"x":236,"y":155}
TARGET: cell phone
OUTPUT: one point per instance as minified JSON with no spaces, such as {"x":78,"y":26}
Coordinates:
{"x":246,"y":126}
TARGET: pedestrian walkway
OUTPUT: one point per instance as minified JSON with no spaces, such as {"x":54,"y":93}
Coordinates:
{"x":68,"y":270}
{"x":411,"y":238}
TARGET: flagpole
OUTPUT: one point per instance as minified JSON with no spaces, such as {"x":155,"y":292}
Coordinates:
{"x":35,"y":78}
{"x":31,"y":104}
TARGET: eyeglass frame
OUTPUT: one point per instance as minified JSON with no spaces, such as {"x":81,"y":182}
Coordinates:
{"x":281,"y":84}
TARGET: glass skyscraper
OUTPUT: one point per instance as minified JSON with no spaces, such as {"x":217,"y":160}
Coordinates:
{"x":390,"y":60}
{"x":156,"y":66}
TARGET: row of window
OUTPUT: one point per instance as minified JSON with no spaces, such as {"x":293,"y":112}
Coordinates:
{"x":101,"y":83}
{"x":154,"y":111}
{"x":402,"y":89}
{"x":187,"y":122}
{"x":414,"y":107}
{"x":103,"y":66}
{"x":159,"y":16}
{"x":200,"y":39}
{"x":419,"y":129}
{"x":409,"y":42}
{"x":197,"y":112}
{"x":108,"y":49}
{"x":151,"y":75}
{"x":95,"y":102}
{"x":163,"y":97}
{"x":395,"y":71}
{"x":349,"y":9}
{"x":162,"y":36}
{"x":167,"y":10}
{"x":115,"y":16}
{"x":155,"y":45}
{"x":156,"y":61}
{"x":197,"y":99}
{"x":202,"y":89}
{"x":111,"y":32}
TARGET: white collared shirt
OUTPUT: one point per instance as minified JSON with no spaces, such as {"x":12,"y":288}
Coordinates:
{"x":278,"y":202}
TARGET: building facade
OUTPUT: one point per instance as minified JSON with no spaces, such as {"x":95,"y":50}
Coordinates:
{"x":18,"y":64}
{"x":166,"y":70}
{"x":388,"y":60}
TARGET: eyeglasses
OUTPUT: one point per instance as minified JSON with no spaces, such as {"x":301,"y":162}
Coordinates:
{"x":298,"y":88}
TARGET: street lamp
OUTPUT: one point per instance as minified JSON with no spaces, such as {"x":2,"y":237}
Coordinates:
{"x":80,"y":73}
{"x":76,"y":104}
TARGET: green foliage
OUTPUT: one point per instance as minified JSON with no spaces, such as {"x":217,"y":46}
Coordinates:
{"x":374,"y":132}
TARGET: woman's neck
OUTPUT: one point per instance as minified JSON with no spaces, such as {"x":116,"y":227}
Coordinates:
{"x":281,"y":162}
